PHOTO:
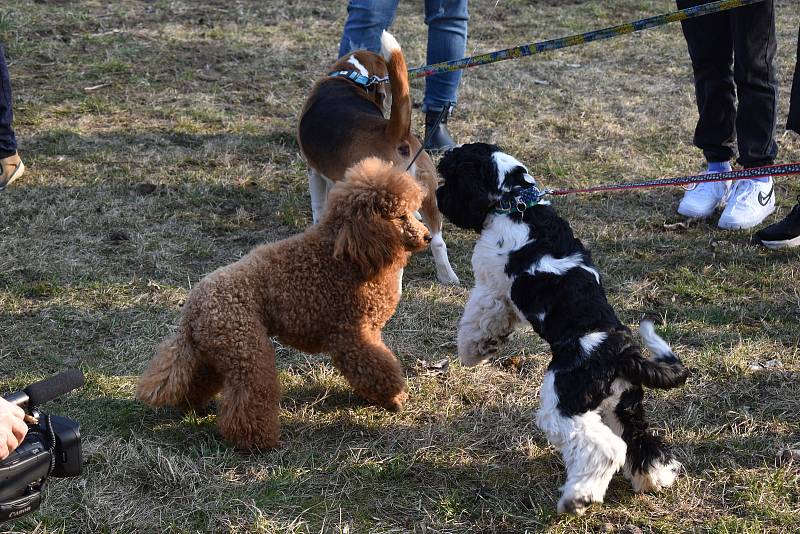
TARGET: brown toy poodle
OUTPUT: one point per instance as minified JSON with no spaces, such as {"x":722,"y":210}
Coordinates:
{"x":330,"y":289}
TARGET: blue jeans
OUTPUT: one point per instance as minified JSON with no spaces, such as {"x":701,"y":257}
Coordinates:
{"x":447,"y":39}
{"x":8,"y":143}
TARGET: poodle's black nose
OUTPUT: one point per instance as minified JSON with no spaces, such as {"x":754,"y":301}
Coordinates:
{"x":428,"y":238}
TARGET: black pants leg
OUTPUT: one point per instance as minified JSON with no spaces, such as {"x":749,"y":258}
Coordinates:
{"x":793,"y":122}
{"x":8,"y":143}
{"x":733,"y":55}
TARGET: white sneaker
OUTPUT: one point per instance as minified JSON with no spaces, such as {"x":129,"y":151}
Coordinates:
{"x":751,"y":202}
{"x":702,"y":199}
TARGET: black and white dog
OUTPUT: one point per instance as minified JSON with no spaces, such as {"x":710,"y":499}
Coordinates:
{"x":528,"y":266}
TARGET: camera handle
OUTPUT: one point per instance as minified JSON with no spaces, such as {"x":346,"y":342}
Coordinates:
{"x":22,"y":465}
{"x":48,"y":425}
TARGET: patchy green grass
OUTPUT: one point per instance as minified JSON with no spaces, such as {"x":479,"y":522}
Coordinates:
{"x":159,"y":140}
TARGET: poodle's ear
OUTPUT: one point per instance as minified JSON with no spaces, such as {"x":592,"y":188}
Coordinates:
{"x":370,"y":243}
{"x":372,"y":192}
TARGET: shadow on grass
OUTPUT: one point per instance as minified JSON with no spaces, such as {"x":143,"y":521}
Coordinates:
{"x":115,"y":145}
{"x":745,"y":420}
{"x":446,"y":468}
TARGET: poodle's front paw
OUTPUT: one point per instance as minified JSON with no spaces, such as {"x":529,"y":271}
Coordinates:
{"x":252,"y":440}
{"x":268,"y":445}
{"x":395,"y":404}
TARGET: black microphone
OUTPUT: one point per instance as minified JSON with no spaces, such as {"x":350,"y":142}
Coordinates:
{"x":47,"y":389}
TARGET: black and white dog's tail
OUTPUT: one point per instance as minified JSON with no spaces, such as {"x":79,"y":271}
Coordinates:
{"x":663,"y":371}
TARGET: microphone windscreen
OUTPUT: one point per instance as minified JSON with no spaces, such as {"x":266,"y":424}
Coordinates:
{"x":55,"y":386}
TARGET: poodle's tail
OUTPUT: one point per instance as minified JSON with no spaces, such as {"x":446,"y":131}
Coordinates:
{"x":664,"y":371}
{"x":171,"y":377}
{"x":399,"y":125}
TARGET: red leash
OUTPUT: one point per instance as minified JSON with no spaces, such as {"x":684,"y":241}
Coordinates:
{"x":744,"y":174}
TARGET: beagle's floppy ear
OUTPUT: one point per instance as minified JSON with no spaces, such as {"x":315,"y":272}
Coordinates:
{"x":372,"y":192}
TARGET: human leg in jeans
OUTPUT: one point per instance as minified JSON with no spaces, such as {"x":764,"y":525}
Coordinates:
{"x":447,"y":40}
{"x":733,"y":53}
{"x":11,"y":166}
{"x":366,"y":20}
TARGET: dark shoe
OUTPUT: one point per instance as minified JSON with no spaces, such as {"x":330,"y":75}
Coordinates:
{"x":11,"y":168}
{"x":785,"y":233}
{"x":438,"y":139}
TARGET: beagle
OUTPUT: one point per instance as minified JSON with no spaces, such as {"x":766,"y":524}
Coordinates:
{"x":343,"y":122}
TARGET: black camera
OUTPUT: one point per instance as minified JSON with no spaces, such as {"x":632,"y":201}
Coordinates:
{"x":52,"y":446}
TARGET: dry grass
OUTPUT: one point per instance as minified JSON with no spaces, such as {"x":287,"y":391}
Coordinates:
{"x":200,"y":99}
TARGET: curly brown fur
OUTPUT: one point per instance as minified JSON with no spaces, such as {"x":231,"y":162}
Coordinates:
{"x":330,"y":289}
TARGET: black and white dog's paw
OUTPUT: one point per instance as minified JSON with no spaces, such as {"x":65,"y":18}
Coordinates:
{"x":573,"y":504}
{"x":657,"y":476}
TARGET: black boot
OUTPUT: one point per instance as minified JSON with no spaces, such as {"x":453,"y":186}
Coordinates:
{"x":440,"y":140}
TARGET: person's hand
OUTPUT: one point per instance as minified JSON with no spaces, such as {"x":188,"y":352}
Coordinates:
{"x":12,"y":427}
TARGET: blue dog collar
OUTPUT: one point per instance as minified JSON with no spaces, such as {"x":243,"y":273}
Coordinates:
{"x":519,"y":200}
{"x":367,"y":82}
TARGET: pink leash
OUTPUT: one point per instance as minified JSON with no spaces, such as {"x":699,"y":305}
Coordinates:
{"x":744,"y":174}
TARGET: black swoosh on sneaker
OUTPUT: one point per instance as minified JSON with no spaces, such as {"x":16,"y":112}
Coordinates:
{"x":763,"y":199}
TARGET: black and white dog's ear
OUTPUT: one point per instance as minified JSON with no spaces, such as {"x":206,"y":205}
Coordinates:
{"x":463,"y":198}
{"x":448,"y":165}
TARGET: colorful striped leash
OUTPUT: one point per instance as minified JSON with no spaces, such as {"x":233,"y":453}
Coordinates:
{"x":572,"y":40}
{"x":744,"y":174}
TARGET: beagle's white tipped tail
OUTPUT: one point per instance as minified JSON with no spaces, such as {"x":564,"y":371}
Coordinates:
{"x":399,"y":126}
{"x":388,"y":45}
